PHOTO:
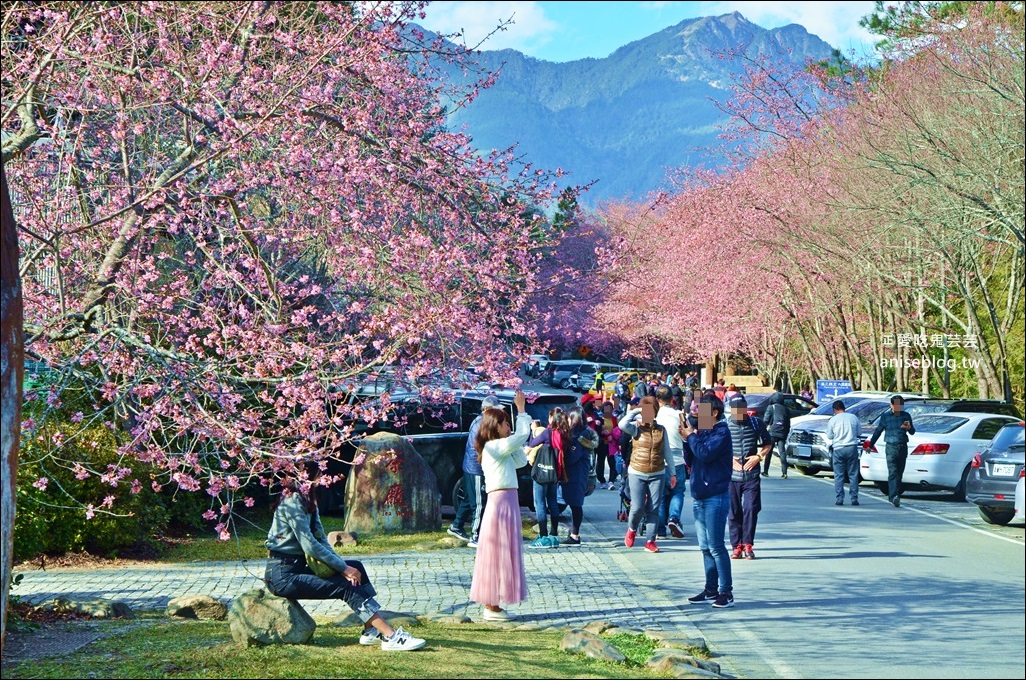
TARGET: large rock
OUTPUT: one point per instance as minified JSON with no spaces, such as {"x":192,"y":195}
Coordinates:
{"x":197,"y":607}
{"x":259,"y":618}
{"x":392,"y":490}
{"x":97,"y":609}
{"x":591,"y":646}
{"x":681,"y":664}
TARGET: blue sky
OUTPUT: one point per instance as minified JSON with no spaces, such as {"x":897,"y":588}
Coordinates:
{"x":565,"y":31}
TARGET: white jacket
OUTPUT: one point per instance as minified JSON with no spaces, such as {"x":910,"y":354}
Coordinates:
{"x":669,"y":418}
{"x":501,"y":457}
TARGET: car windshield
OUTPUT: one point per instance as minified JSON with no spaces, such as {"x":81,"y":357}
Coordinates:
{"x":867,"y":411}
{"x":924,"y":407}
{"x":939,"y":424}
{"x":827,"y":409}
{"x":1009,"y":436}
{"x":755,"y":399}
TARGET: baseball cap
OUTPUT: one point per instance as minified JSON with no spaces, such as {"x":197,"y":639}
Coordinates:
{"x":738,"y":402}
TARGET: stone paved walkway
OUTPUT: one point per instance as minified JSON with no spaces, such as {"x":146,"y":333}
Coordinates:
{"x":567,"y":586}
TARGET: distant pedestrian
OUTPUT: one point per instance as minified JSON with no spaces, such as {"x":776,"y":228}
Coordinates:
{"x":609,"y":446}
{"x":641,"y":387}
{"x":499,"y":565}
{"x":778,"y":424}
{"x":731,"y":392}
{"x":807,"y":393}
{"x":720,"y":390}
{"x":708,"y":454}
{"x":842,"y":438}
{"x":751,"y":444}
{"x":472,"y":504}
{"x":583,"y":442}
{"x":296,"y":532}
{"x":546,"y":508}
{"x":898,"y":426}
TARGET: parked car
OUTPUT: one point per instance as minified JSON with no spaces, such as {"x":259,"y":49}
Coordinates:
{"x":806,"y":443}
{"x":438,"y":431}
{"x":557,"y":373}
{"x":584,"y":380}
{"x":995,"y":472}
{"x":826,"y":410}
{"x":796,"y":404}
{"x":535,"y":364}
{"x":995,"y":406}
{"x":940,"y":453}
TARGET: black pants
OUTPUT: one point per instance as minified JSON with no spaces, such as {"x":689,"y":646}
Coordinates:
{"x":289,"y":577}
{"x":896,"y":455}
{"x":781,"y":450}
{"x":745,"y":504}
{"x":601,"y":458}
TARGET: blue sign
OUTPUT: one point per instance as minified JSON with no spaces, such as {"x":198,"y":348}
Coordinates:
{"x":828,"y":390}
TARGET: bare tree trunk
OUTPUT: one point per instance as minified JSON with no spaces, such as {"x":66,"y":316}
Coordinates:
{"x":12,"y":367}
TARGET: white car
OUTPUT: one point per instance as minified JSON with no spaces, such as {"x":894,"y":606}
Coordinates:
{"x":1020,"y":498}
{"x":939,"y":453}
{"x":826,"y":410}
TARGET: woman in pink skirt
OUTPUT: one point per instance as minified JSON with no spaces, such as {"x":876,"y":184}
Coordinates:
{"x":499,"y":567}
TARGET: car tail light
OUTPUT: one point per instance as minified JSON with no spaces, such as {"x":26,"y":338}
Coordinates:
{"x":930,"y":449}
{"x":977,"y":460}
{"x":752,"y":413}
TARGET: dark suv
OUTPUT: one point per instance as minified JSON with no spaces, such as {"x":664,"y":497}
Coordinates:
{"x":438,"y":431}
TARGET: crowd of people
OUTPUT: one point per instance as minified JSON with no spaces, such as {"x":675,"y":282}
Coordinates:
{"x":658,"y":439}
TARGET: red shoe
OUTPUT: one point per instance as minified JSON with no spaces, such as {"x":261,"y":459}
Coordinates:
{"x":739,"y":552}
{"x":749,"y":553}
{"x":651,"y":546}
{"x":628,"y":540}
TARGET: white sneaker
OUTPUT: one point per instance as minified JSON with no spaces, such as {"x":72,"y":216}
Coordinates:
{"x":401,"y":641}
{"x":501,"y":615}
{"x":370,"y":636}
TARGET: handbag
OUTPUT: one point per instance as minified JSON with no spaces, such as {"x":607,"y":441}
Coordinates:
{"x":544,"y":469}
{"x":532,"y":452}
{"x":320,"y":569}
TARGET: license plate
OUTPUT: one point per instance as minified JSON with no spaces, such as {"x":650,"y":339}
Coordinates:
{"x":805,"y":452}
{"x":1002,"y":470}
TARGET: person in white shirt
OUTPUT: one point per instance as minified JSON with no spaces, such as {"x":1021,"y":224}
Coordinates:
{"x":842,"y":435}
{"x":672,"y":504}
{"x":499,"y":566}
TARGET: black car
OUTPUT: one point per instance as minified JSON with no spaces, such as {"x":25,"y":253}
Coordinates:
{"x":439,"y":430}
{"x":797,"y":405}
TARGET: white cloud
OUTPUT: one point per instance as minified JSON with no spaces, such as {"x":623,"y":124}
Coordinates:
{"x":528,"y":28}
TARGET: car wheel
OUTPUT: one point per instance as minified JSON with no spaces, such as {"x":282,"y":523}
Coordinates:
{"x":960,"y":489}
{"x":881,"y":487}
{"x":458,"y":493}
{"x":806,"y":470}
{"x":996,"y":516}
{"x":565,"y":384}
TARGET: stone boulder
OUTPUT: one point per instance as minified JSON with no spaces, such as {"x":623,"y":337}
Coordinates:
{"x":391,"y":489}
{"x":96,"y":608}
{"x":590,"y":645}
{"x":197,"y":607}
{"x":259,"y":618}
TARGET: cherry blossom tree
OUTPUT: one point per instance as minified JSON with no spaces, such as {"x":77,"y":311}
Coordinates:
{"x":231,"y":212}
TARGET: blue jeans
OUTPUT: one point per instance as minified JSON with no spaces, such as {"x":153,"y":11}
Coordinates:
{"x":289,"y":577}
{"x":710,"y":527}
{"x":545,"y":506}
{"x":673,"y":500}
{"x":845,"y":460}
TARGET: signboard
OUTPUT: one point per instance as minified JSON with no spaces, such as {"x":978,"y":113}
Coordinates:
{"x":828,"y":390}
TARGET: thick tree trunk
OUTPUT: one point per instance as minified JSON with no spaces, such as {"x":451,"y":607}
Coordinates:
{"x":11,"y":370}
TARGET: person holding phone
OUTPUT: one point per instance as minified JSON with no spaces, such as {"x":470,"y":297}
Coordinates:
{"x":499,"y":564}
{"x":708,"y":453}
{"x":650,"y":470}
{"x":897,"y":424}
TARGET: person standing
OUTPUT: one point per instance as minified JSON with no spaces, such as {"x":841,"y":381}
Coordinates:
{"x":472,"y":503}
{"x":649,"y":470}
{"x":708,"y":454}
{"x":641,"y":387}
{"x":577,"y":455}
{"x":898,"y":426}
{"x":296,"y":532}
{"x":672,"y":502}
{"x":546,"y":508}
{"x":778,"y":424}
{"x":751,"y":444}
{"x":608,"y":446}
{"x":499,"y":565}
{"x":842,"y":435}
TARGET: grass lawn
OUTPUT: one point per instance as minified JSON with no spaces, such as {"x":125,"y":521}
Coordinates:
{"x":201,"y":649}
